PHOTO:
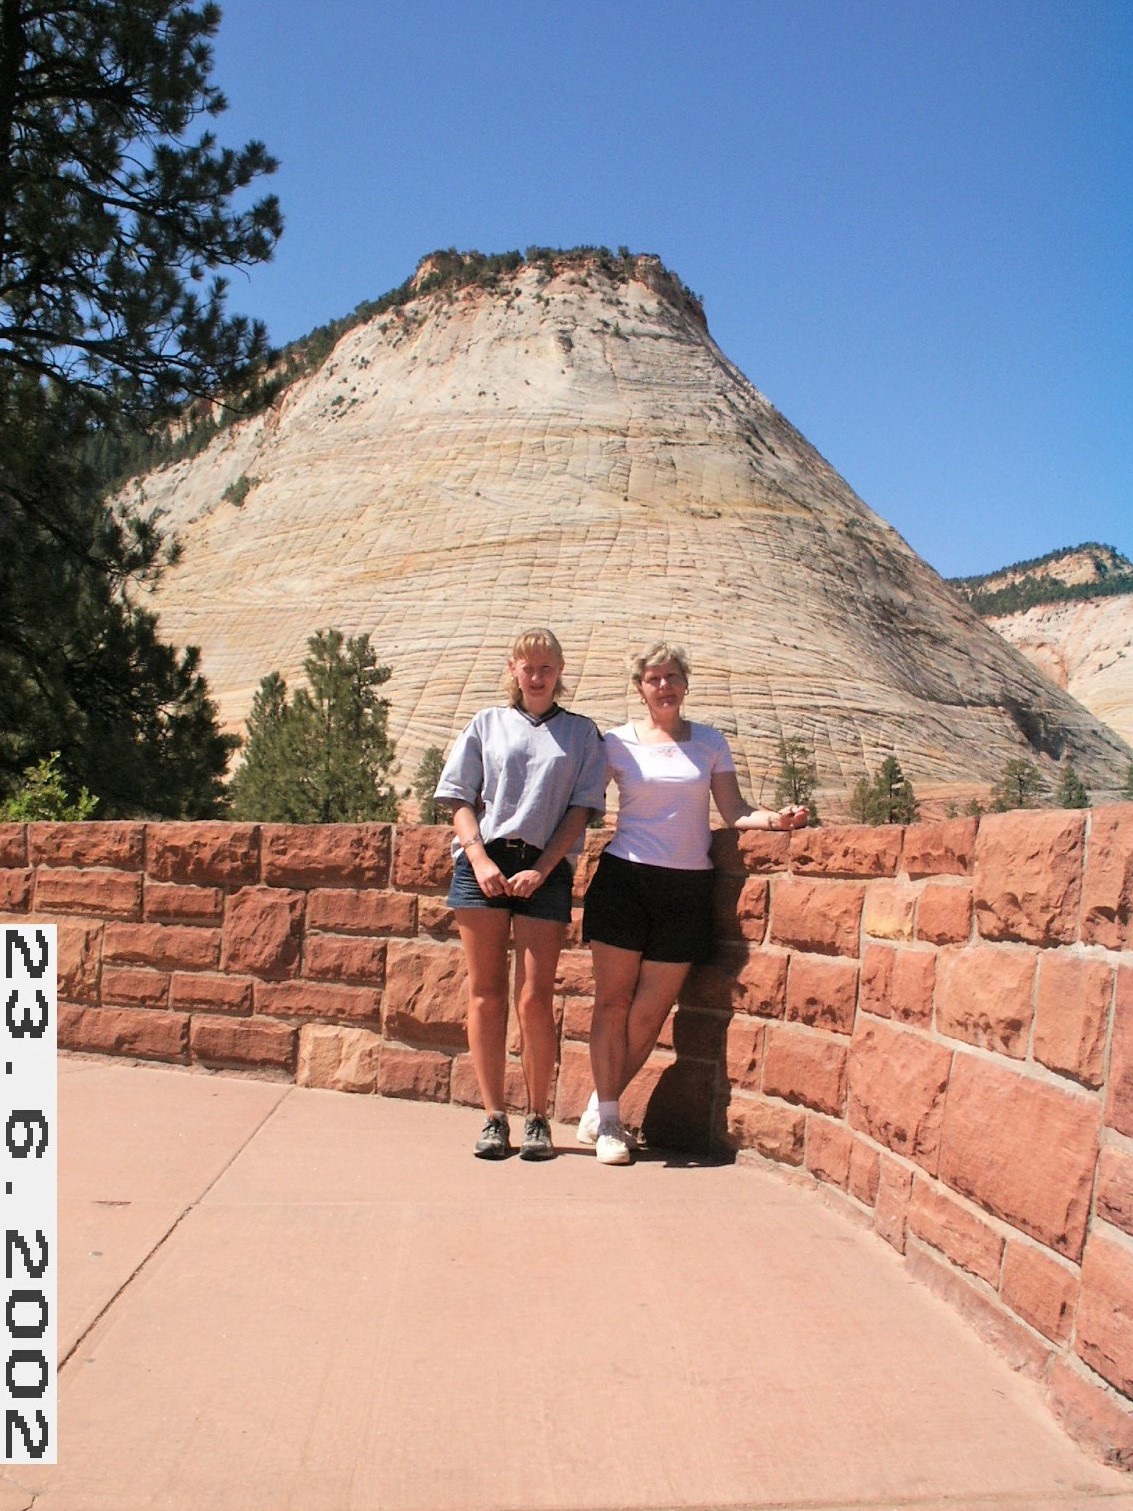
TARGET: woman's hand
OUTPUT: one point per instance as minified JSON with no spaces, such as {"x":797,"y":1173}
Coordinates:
{"x":794,"y":816}
{"x":489,"y":878}
{"x":524,"y":883}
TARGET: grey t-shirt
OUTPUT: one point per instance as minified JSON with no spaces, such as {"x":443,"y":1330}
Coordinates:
{"x":522,"y":774}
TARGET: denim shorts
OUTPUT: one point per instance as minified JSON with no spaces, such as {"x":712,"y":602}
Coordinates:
{"x":551,"y":900}
{"x":662,"y":913}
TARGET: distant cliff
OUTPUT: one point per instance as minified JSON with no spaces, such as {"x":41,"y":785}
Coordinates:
{"x":1071,"y":613}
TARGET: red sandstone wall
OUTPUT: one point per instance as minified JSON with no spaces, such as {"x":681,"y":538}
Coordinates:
{"x":935,"y":1024}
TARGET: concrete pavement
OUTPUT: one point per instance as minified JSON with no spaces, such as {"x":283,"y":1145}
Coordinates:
{"x":279,"y":1299}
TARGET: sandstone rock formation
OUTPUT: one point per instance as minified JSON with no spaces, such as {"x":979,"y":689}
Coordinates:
{"x":571,"y":447}
{"x":1084,"y":645}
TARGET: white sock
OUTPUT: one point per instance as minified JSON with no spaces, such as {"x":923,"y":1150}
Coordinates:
{"x":592,"y":1105}
{"x":608,"y":1112}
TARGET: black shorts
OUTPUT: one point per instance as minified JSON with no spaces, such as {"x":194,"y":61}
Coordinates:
{"x":550,"y":901}
{"x":657,"y":911}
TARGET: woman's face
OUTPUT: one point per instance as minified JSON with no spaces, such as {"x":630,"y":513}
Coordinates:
{"x":537,"y":675}
{"x":663,"y":690}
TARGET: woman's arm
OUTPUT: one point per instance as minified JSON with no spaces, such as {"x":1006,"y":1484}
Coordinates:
{"x":738,"y":814}
{"x":490,"y":878}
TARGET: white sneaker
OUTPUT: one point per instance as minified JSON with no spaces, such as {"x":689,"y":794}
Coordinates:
{"x":587,"y":1131}
{"x":613,"y":1144}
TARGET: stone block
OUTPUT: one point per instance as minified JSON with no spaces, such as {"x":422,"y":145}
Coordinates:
{"x":946,"y":848}
{"x":576,"y":1014}
{"x":1040,"y":1290}
{"x":79,"y":954}
{"x":805,"y":1067}
{"x":435,"y":917}
{"x":817,"y":917}
{"x":822,"y":993}
{"x":751,"y":909}
{"x":864,"y":1172}
{"x":263,"y":931}
{"x":745,"y":1053}
{"x":593,"y":843}
{"x":1072,"y":1007}
{"x":1022,"y":1350}
{"x":1113,"y":1194}
{"x":1107,"y":881}
{"x":1091,"y":1415}
{"x":1028,"y":876}
{"x":423,"y":857}
{"x":249,"y":1042}
{"x":325,"y":855}
{"x":672,"y":1102}
{"x":897,"y":1083}
{"x":1119,"y":1084}
{"x":172,"y":902}
{"x":361,"y":910}
{"x":98,"y":894}
{"x":338,"y":1059}
{"x":116,"y":846}
{"x":775,"y":1131}
{"x":575,"y":1082}
{"x":124,"y":1031}
{"x":890,"y":908}
{"x":13,"y":846}
{"x":210,"y":994}
{"x":426,"y":999}
{"x":464,"y":1088}
{"x":984,"y":996}
{"x":898,"y":984}
{"x":1022,"y":1149}
{"x":828,"y":1149}
{"x":204,"y":854}
{"x":419,"y":1074}
{"x":575,"y":973}
{"x":891,"y":1209}
{"x":125,"y":986}
{"x":1104,"y":1333}
{"x":739,"y":852}
{"x":958,"y":1234}
{"x":344,"y":957}
{"x":697,"y":1035}
{"x":317,"y":999}
{"x":165,"y":947}
{"x":846,"y":850}
{"x":944,"y":913}
{"x":15,"y":890}
{"x":754,"y":983}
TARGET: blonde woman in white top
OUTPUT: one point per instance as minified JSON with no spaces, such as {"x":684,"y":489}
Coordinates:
{"x":648,"y":911}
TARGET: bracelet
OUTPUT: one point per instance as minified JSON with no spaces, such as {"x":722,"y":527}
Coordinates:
{"x":476,"y":839}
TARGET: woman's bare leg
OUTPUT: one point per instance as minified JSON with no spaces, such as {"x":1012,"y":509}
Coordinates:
{"x":615,"y":981}
{"x":538,"y":942}
{"x":484,"y":934}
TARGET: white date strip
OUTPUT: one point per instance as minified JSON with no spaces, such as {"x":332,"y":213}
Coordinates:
{"x":28,"y":1202}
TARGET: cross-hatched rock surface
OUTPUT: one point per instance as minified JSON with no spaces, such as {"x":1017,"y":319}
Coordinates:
{"x":573,"y":449}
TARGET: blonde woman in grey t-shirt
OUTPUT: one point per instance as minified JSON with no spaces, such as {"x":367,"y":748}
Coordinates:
{"x":521,"y":781}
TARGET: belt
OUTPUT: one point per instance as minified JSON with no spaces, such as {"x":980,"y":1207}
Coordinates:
{"x":515,"y":844}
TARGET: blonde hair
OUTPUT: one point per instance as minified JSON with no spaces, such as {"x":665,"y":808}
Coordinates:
{"x":523,"y":646}
{"x":657,"y":655}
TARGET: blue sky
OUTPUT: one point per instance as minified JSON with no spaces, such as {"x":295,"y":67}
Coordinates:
{"x":911,"y":223}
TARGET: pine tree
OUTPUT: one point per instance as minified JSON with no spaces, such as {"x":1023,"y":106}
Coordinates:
{"x":114,"y":223}
{"x":1021,"y":785}
{"x":798,"y":777}
{"x":1070,"y":792}
{"x":323,"y":756}
{"x":885,"y":798}
{"x":425,"y":784}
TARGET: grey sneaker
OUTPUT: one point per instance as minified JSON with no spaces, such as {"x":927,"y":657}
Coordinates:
{"x":495,"y":1139}
{"x":536,"y":1139}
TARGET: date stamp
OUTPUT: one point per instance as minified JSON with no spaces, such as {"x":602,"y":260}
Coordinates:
{"x":28,"y":1168}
